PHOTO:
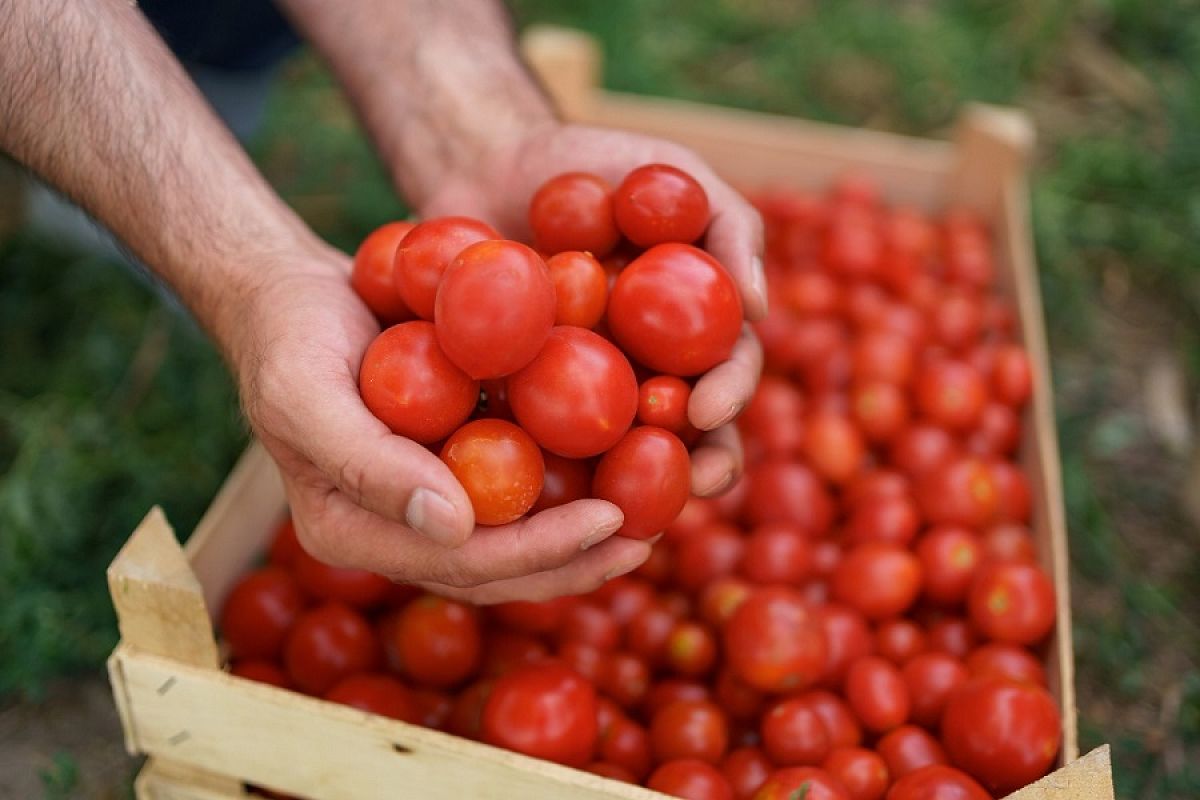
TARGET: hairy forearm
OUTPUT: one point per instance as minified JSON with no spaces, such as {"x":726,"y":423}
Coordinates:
{"x":92,"y":101}
{"x":437,"y":83}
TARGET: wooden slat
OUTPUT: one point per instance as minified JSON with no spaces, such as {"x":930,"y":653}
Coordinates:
{"x":1088,"y":778}
{"x":159,"y":780}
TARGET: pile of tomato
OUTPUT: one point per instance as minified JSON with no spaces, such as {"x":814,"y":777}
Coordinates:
{"x":861,"y":617}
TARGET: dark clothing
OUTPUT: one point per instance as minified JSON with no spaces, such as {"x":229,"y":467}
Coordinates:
{"x":233,"y":35}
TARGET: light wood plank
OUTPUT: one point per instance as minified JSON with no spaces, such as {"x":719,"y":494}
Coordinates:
{"x":1088,"y":778}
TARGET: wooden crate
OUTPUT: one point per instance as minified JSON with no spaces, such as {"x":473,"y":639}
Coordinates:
{"x":208,"y":733}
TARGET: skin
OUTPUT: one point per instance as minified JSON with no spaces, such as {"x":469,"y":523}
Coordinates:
{"x":93,"y":102}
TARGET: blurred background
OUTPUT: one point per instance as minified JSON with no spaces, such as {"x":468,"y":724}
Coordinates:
{"x":111,"y":401}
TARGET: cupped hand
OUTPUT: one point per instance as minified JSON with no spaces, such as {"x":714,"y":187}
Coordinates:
{"x":497,"y":189}
{"x":363,"y":497}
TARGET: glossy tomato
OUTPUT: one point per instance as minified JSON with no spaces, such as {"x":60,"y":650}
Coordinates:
{"x":746,"y":769}
{"x":847,"y":638}
{"x":574,"y":211}
{"x":663,"y":402}
{"x":1012,"y":377}
{"x":960,"y":491}
{"x":356,"y":587}
{"x":259,"y":611}
{"x":810,"y":783}
{"x":690,"y":649}
{"x":564,"y":481}
{"x":937,"y":782}
{"x":876,"y":692}
{"x":690,"y":779}
{"x":647,"y":475}
{"x":899,"y":640}
{"x":885,"y":519}
{"x":689,"y":729}
{"x":545,"y":710}
{"x":790,"y":492}
{"x":880,"y":409}
{"x":499,"y":466}
{"x":658,"y":203}
{"x":878,"y":579}
{"x":794,"y":735}
{"x":777,"y":553}
{"x":833,"y":446}
{"x":1012,"y":603}
{"x":951,"y":393}
{"x":862,"y":772}
{"x":326,"y":644}
{"x":580,"y":288}
{"x":434,"y":641}
{"x":626,"y":744}
{"x":909,"y":748}
{"x":624,"y":677}
{"x":425,"y":253}
{"x":373,"y":275}
{"x":284,"y":544}
{"x":774,"y":642}
{"x":949,"y":555}
{"x":720,"y":597}
{"x":930,"y":679}
{"x":379,"y":694}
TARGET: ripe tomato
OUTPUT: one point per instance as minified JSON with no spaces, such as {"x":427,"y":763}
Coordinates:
{"x":409,"y":384}
{"x":878,"y":579}
{"x":373,"y":274}
{"x":495,"y":291}
{"x":774,"y":642}
{"x":663,"y":402}
{"x":794,"y":735}
{"x":957,"y":319}
{"x":578,"y":397}
{"x":646,"y":634}
{"x":840,"y":722}
{"x":533,"y":617}
{"x":259,"y":611}
{"x":326,"y":644}
{"x":937,"y":782}
{"x":564,"y":481}
{"x":425,"y":253}
{"x":885,"y":356}
{"x":788,"y":491}
{"x":378,"y":694}
{"x":811,"y":293}
{"x":899,"y":640}
{"x":355,"y":587}
{"x":961,"y":491}
{"x":624,"y":677}
{"x":951,"y":393}
{"x":586,"y":659}
{"x":648,"y":476}
{"x":574,"y":211}
{"x":886,"y":519}
{"x":876,"y":692}
{"x":544,"y":710}
{"x":267,"y":672}
{"x":847,"y":639}
{"x":921,"y":448}
{"x":284,"y":544}
{"x":690,"y":779}
{"x":499,"y":466}
{"x":580,"y":288}
{"x":1008,"y":541}
{"x":862,"y":772}
{"x":951,"y":635}
{"x":874,"y":483}
{"x":998,"y":432}
{"x":777,"y":553}
{"x":740,"y":701}
{"x":671,"y":690}
{"x":614,"y":771}
{"x":746,"y":769}
{"x":591,"y":623}
{"x":657,"y":203}
{"x":810,"y":783}
{"x":908,"y":748}
{"x":1014,"y":498}
{"x":626,"y":744}
{"x":690,"y":649}
{"x":931,"y":678}
{"x":1004,"y":733}
{"x":880,"y":409}
{"x":625,"y":597}
{"x":833,"y":446}
{"x":853,"y":246}
{"x":434,"y":641}
{"x":689,"y":729}
{"x":720,"y":597}
{"x":1005,"y":661}
{"x":675,"y":310}
{"x":503,"y":650}
{"x":1012,"y":603}
{"x":949,"y":555}
{"x":1012,"y":377}
{"x":771,"y":424}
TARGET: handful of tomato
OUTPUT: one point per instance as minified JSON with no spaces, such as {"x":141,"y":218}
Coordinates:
{"x":861,"y":617}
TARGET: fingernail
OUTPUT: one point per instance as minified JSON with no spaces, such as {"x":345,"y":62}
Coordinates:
{"x":602,"y":531}
{"x":653,"y":540}
{"x":727,"y":417}
{"x":758,"y":279}
{"x":626,"y":568}
{"x":719,"y":486}
{"x":433,"y":515}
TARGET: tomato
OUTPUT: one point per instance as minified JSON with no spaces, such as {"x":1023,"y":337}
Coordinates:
{"x":373,"y":275}
{"x":951,"y":635}
{"x":624,"y":677}
{"x":720,"y":597}
{"x":646,"y":634}
{"x":740,"y":701}
{"x":886,"y":519}
{"x":937,"y":782}
{"x":690,"y":779}
{"x":326,"y":644}
{"x":544,"y":710}
{"x":788,"y":491}
{"x":675,"y":310}
{"x":574,"y":211}
{"x":1014,"y":498}
{"x":626,"y":744}
{"x":951,"y":393}
{"x":1008,"y":541}
{"x":584,"y":658}
{"x":689,"y":729}
{"x":663,"y":402}
{"x":998,"y":432}
{"x":259,"y":611}
{"x":771,"y":424}
{"x":908,"y":748}
{"x":697,"y":513}
{"x":833,"y":446}
{"x":957,"y":319}
{"x":950,"y":556}
{"x":626,"y":597}
{"x":746,"y":769}
{"x":658,"y":567}
{"x":533,"y":617}
{"x":434,"y":641}
{"x":564,"y":480}
{"x":466,"y":713}
{"x":284,"y":544}
{"x":690,"y":649}
{"x":378,"y":694}
{"x":355,"y":587}
{"x":809,"y":783}
{"x":409,"y":384}
{"x":862,"y":772}
{"x":847,"y":638}
{"x":647,"y":474}
{"x":853,"y":246}
{"x":1005,"y":661}
{"x":503,"y":650}
{"x":578,"y":397}
{"x":1004,"y":733}
{"x":840,"y":722}
{"x":880,"y":409}
{"x":261,"y":672}
{"x":921,"y":448}
{"x":499,"y":466}
{"x":865,"y":303}
{"x":591,"y":623}
{"x":425,"y":253}
{"x":961,"y":491}
{"x":794,"y":735}
{"x":899,"y":640}
{"x":671,"y":690}
{"x":657,"y":203}
{"x":580,"y":288}
{"x":774,"y":641}
{"x":878,"y":579}
{"x":876,"y":692}
{"x":931,"y":678}
{"x":495,"y":291}
{"x":614,"y":771}
{"x":811,"y":293}
{"x":1012,"y":603}
{"x":1012,"y":377}
{"x":872,"y":484}
{"x":777,"y":553}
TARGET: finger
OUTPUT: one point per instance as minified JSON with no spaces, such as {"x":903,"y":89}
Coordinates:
{"x":735,"y":238}
{"x":722,"y":393}
{"x":614,"y":556}
{"x":717,"y":461}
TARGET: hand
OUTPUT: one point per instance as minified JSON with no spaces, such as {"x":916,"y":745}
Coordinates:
{"x":363,"y":497}
{"x":498,"y":189}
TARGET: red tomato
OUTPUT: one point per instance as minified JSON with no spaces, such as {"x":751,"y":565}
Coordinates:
{"x":578,"y":397}
{"x":951,"y":635}
{"x":1014,"y":498}
{"x":833,"y":446}
{"x":565,"y":480}
{"x":409,"y":384}
{"x":840,"y":722}
{"x":690,"y":649}
{"x":373,"y":274}
{"x":675,"y":310}
{"x":996,"y":659}
{"x":906,"y":321}
{"x":720,"y":597}
{"x":614,"y":771}
{"x":648,"y":476}
{"x":862,"y":772}
{"x":1012,"y":377}
{"x":544,"y":710}
{"x":504,"y":650}
{"x":689,"y":729}
{"x":771,"y":424}
{"x":878,"y":579}
{"x":746,"y":769}
{"x":425,"y":253}
{"x":961,"y":491}
{"x":499,"y":466}
{"x":466,"y":715}
{"x":794,"y":735}
{"x":586,"y":659}
{"x":626,"y":597}
{"x":886,"y":519}
{"x":876,"y":692}
{"x":957,"y":319}
{"x":378,"y":694}
{"x":853,"y":246}
{"x":931,"y":678}
{"x":533,"y":617}
{"x":937,"y":782}
{"x":921,"y":448}
{"x":355,"y":587}
{"x":908,"y":748}
{"x":284,"y":545}
{"x":657,"y":203}
{"x":873,"y":484}
{"x":998,"y":432}
{"x":261,"y":672}
{"x":574,"y":211}
{"x":434,"y":641}
{"x":865,"y":303}
{"x":690,"y":779}
{"x":788,"y":491}
{"x":951,"y":393}
{"x":774,"y":642}
{"x":259,"y":611}
{"x":697,"y":513}
{"x":658,"y":567}
{"x":950,"y":555}
{"x":1008,"y":541}
{"x":847,"y":639}
{"x":1004,"y":733}
{"x":326,"y":644}
{"x":1012,"y":603}
{"x":624,"y":677}
{"x":580,"y":288}
{"x":646,"y":634}
{"x":494,"y":292}
{"x":739,"y":700}
{"x":626,"y":744}
{"x":777,"y":553}
{"x":671,"y":690}
{"x":587,"y":622}
{"x":811,"y":293}
{"x":663,"y":402}
{"x":810,"y":783}
{"x":880,"y":409}
{"x":899,"y":640}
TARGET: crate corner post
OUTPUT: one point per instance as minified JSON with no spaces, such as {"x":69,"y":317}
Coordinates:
{"x":993,"y":145}
{"x":567,"y":62}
